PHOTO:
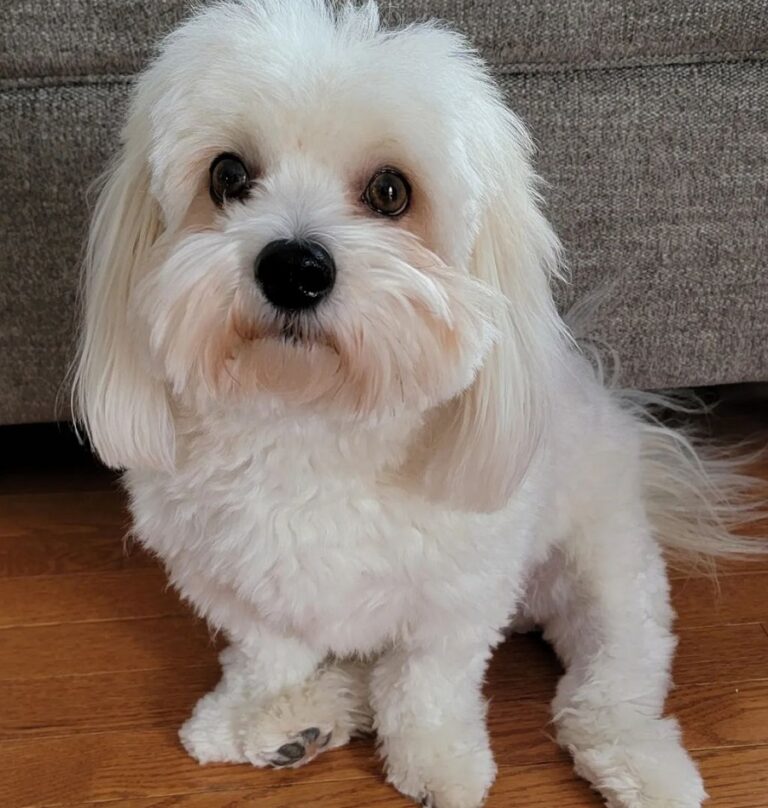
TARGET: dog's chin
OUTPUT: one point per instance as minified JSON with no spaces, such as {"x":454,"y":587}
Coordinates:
{"x":312,"y":369}
{"x":294,"y":365}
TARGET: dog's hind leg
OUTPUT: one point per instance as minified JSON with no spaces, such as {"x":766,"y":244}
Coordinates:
{"x":604,"y":603}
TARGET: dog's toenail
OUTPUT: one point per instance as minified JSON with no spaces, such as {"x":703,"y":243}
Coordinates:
{"x":311,"y":735}
{"x":291,"y":752}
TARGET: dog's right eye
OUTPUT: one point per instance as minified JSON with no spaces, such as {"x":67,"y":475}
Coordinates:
{"x":229,"y":179}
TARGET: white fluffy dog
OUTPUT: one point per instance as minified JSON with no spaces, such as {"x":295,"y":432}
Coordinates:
{"x":320,"y":338}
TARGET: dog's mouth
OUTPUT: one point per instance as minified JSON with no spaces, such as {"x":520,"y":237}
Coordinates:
{"x":298,"y":330}
{"x":292,"y":330}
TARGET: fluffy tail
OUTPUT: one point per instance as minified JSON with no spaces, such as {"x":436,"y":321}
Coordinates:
{"x":702,"y":501}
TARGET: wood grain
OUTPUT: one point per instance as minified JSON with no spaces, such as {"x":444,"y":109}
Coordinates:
{"x":735,"y":778}
{"x":54,"y":599}
{"x":47,"y":552}
{"x":104,"y":647}
{"x":97,"y":702}
{"x":721,"y":654}
{"x":104,"y":765}
{"x":732,"y":598}
{"x":722,"y":715}
{"x":80,"y":512}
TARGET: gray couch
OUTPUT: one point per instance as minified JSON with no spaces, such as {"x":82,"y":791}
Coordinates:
{"x":651,"y":118}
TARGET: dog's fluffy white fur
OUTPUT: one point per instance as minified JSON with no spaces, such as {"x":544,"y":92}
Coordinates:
{"x":362,"y":506}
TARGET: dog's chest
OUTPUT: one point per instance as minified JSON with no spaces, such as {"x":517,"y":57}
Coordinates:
{"x":338,"y":559}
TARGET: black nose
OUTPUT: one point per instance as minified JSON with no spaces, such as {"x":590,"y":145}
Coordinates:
{"x":295,"y":275}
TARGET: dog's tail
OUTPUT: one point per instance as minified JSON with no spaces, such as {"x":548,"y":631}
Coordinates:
{"x":703,"y":498}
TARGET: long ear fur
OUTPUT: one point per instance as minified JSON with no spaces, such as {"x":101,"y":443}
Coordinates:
{"x":484,"y":441}
{"x":124,"y":410}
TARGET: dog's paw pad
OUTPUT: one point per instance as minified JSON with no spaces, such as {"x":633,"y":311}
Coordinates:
{"x":307,"y":745}
{"x":289,"y":753}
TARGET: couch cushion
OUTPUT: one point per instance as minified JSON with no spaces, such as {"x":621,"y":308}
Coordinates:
{"x":87,"y":38}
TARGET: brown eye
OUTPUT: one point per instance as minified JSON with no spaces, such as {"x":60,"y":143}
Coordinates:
{"x":388,"y":192}
{"x":228,"y":179}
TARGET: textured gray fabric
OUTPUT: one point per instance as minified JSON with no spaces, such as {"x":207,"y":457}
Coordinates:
{"x":54,"y":141}
{"x":658,"y":172}
{"x":44,"y":38}
{"x":659,"y":190}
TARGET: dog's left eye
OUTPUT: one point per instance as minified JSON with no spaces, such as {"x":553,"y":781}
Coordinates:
{"x":388,"y":192}
{"x":229,"y":179}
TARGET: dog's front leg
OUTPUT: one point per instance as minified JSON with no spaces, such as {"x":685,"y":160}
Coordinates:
{"x":429,"y":714}
{"x":277,"y":704}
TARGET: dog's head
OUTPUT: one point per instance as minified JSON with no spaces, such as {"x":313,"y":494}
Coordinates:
{"x":313,"y":212}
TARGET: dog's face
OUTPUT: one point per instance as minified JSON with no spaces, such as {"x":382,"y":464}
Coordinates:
{"x":318,"y":208}
{"x":302,"y":214}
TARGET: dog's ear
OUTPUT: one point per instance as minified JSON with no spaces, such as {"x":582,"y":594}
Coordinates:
{"x":484,"y":441}
{"x":124,"y":409}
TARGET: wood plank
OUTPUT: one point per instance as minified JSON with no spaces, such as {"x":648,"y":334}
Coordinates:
{"x":529,"y":786}
{"x":721,"y":654}
{"x":712,"y":716}
{"x":90,"y":596}
{"x":69,"y":705}
{"x":526,"y":664}
{"x":162,"y":642}
{"x":52,"y":553}
{"x":735,"y":598}
{"x":79,"y":512}
{"x":704,"y":655}
{"x":736,"y":778}
{"x":120,"y":645}
{"x":521,"y":732}
{"x":132,"y":700}
{"x":103,"y":767}
{"x":348,"y":794}
{"x":120,"y":765}
{"x":720,"y":715}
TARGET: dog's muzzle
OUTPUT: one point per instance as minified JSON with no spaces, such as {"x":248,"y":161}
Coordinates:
{"x":295,"y":275}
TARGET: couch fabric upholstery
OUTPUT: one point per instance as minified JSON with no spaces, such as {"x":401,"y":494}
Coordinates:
{"x":650,"y":119}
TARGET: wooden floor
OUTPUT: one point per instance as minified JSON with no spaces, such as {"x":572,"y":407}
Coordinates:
{"x":99,"y":663}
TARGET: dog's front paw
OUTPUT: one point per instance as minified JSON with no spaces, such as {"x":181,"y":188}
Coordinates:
{"x":278,"y":733}
{"x":212,"y":733}
{"x":304,"y":721}
{"x":285,"y":730}
{"x":282,"y":748}
{"x":441,"y":768}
